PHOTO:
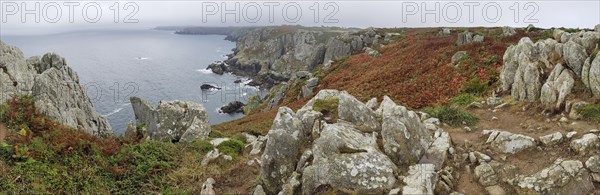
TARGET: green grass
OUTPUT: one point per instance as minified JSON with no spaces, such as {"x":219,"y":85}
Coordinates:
{"x":589,"y":111}
{"x":476,"y":86}
{"x":327,"y":106}
{"x":231,"y":147}
{"x":452,"y":115}
{"x":464,"y":99}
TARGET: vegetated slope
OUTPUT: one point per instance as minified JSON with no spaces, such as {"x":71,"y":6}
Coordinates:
{"x":415,"y":70}
{"x":40,"y":156}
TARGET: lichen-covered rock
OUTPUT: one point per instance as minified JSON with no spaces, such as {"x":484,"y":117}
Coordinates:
{"x":457,"y":57}
{"x":282,"y":150}
{"x":464,"y":38}
{"x":350,"y":161}
{"x":551,"y":139}
{"x":547,"y":70}
{"x":54,"y":86}
{"x":508,"y":31}
{"x":309,"y":85}
{"x":586,"y":143}
{"x":172,"y":120}
{"x":352,"y":110}
{"x":437,"y":153}
{"x":207,"y":187}
{"x":574,"y":56}
{"x":557,"y":87}
{"x":405,"y":138}
{"x":421,"y":179}
{"x":486,"y":175}
{"x":563,"y":177}
{"x":593,"y":76}
{"x":506,"y":142}
{"x":593,"y":164}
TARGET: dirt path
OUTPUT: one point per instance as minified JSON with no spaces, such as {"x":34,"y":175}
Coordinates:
{"x":514,"y":119}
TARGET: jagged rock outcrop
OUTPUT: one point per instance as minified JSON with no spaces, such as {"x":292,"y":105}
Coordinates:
{"x":272,"y":55}
{"x":508,"y":31}
{"x":347,"y":160}
{"x":282,"y":150}
{"x":172,"y":120}
{"x":547,"y":70}
{"x":306,"y":153}
{"x":54,"y":86}
{"x":563,"y":177}
{"x":506,"y":142}
{"x":405,"y":138}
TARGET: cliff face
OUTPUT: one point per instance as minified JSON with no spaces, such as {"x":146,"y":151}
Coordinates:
{"x":54,"y":86}
{"x":273,"y":54}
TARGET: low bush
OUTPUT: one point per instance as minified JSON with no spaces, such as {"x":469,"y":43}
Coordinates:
{"x":590,"y":111}
{"x":463,"y":99}
{"x":452,"y":115}
{"x":231,"y":147}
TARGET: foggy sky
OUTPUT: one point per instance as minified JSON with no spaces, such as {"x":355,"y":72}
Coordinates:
{"x":574,"y":14}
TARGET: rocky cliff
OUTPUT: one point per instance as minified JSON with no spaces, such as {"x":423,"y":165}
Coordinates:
{"x":272,"y":55}
{"x":54,"y":86}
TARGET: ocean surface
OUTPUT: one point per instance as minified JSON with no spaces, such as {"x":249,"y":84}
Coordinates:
{"x":154,"y":65}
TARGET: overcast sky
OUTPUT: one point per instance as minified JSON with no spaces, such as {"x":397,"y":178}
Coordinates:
{"x":19,"y":17}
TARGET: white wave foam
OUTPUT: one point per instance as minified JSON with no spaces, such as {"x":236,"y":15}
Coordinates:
{"x":204,"y":71}
{"x":115,"y":111}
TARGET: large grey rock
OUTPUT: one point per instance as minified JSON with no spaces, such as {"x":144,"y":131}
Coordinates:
{"x":464,"y":38}
{"x":557,"y":87}
{"x":54,"y":86}
{"x":457,"y":57}
{"x":309,"y":86}
{"x":574,"y":56}
{"x":421,"y":179}
{"x":563,"y":177}
{"x":282,"y":150}
{"x":597,"y":28}
{"x":506,"y":142}
{"x":352,"y":110}
{"x":437,"y":153}
{"x":172,"y":120}
{"x":478,"y":38}
{"x":486,"y":175}
{"x":593,"y":77}
{"x":207,"y":187}
{"x":586,"y":143}
{"x":551,"y":139}
{"x":508,"y":31}
{"x":349,"y":161}
{"x":593,"y":164}
{"x":405,"y":138}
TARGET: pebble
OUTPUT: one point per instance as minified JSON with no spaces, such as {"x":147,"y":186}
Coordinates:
{"x":571,"y":134}
{"x":468,"y":129}
{"x":563,"y":119}
{"x":494,"y":118}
